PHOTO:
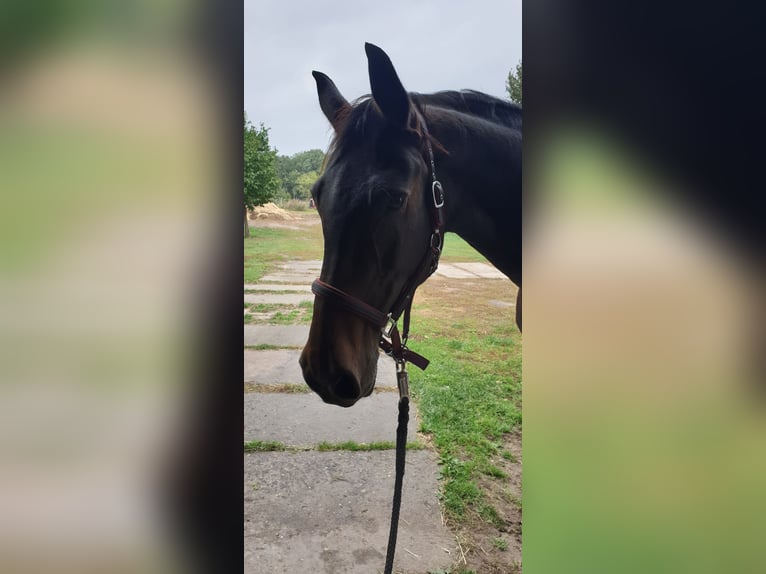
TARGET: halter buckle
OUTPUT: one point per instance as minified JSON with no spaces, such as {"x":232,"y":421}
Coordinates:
{"x":389,"y":327}
{"x":438,"y":194}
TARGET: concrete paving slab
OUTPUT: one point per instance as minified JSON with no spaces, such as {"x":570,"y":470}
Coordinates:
{"x":482,"y":270}
{"x":273,"y":367}
{"x":302,"y":266}
{"x":277,"y":287}
{"x":298,"y":419}
{"x":278,"y":298}
{"x":295,"y":278}
{"x":452,"y":272}
{"x":278,"y":335}
{"x":280,"y":366}
{"x":328,"y":513}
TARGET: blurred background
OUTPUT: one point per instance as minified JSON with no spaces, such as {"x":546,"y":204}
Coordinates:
{"x":644,"y":403}
{"x":115,"y":174}
{"x":120,"y":170}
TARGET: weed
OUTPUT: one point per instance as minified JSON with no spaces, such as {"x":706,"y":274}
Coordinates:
{"x":355,"y":446}
{"x":264,"y":446}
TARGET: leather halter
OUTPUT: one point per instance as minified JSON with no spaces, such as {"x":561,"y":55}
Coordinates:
{"x":391,"y":342}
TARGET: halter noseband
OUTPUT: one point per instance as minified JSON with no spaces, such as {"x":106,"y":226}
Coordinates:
{"x":392,"y":343}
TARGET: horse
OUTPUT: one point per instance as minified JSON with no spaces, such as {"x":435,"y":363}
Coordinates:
{"x":383,"y":215}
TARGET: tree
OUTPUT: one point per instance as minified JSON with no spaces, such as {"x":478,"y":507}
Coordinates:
{"x":303,"y":184}
{"x":307,"y":161}
{"x":260,"y":176}
{"x":291,"y":171}
{"x":513,"y":85}
{"x":286,"y":174}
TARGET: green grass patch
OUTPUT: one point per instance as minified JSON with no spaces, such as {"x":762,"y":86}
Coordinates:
{"x":262,"y":307}
{"x":508,"y":455}
{"x":493,"y":471}
{"x":274,"y":446}
{"x":264,"y":446}
{"x":267,"y":347}
{"x":361,"y":446}
{"x":468,"y":398}
{"x":279,"y":314}
{"x":489,"y":514}
{"x":266,"y":248}
{"x":456,"y":249}
{"x":262,"y":347}
{"x":291,"y":317}
{"x":511,"y":498}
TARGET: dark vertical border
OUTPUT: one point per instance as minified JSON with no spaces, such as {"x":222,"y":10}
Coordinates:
{"x":207,"y":491}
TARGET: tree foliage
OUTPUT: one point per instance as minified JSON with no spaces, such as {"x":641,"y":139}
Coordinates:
{"x":303,"y":184}
{"x":513,"y":84}
{"x":261,"y":181}
{"x":298,"y":172}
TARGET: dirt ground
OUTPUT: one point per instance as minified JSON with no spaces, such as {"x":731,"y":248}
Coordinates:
{"x":478,"y":539}
{"x":299,"y":220}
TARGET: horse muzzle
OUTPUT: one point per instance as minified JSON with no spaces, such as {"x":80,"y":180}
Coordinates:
{"x":342,"y":389}
{"x":338,"y":386}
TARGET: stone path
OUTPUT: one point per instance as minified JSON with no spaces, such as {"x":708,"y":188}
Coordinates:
{"x":311,"y":511}
{"x":279,"y":298}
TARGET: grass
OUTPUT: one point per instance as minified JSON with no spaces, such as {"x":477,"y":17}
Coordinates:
{"x":280,"y":314}
{"x":456,"y":249}
{"x":356,"y":447}
{"x":273,"y":446}
{"x":270,"y":292}
{"x":285,"y":388}
{"x":264,"y":446}
{"x":469,"y":398}
{"x":266,"y":347}
{"x":266,"y":248}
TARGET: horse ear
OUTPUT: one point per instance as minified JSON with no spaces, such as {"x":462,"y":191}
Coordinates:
{"x":330,"y":99}
{"x":387,"y":90}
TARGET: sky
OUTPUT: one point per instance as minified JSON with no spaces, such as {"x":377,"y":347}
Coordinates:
{"x":434,"y":45}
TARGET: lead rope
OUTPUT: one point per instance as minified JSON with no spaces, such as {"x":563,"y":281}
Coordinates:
{"x":402,"y":382}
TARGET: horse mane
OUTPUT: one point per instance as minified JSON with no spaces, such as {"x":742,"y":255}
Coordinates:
{"x":473,"y":103}
{"x":363,"y":114}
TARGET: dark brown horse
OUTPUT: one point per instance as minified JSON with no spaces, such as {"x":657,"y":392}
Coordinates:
{"x":376,"y":203}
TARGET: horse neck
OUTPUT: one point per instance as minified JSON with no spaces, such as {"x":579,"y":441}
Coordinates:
{"x":481,"y":176}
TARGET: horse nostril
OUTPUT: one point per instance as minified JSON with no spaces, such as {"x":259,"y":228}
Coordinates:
{"x":347,"y":387}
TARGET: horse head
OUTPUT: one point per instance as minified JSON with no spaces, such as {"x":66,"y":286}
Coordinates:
{"x":371,"y":198}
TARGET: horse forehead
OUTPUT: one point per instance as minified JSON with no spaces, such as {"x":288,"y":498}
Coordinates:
{"x":368,"y":166}
{"x":357,"y":179}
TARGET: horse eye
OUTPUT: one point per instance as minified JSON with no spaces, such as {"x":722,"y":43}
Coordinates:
{"x":396,"y":199}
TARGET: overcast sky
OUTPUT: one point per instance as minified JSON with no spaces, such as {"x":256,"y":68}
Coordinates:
{"x":434,"y":45}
